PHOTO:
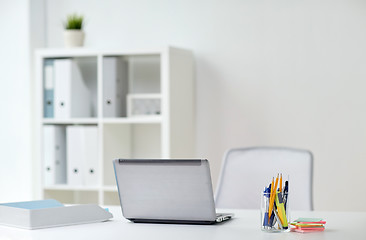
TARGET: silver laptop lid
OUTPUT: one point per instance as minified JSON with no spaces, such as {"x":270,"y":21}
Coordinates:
{"x":167,"y":189}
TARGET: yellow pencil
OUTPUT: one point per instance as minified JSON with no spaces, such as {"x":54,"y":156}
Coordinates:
{"x":272,"y":199}
{"x":281,"y":183}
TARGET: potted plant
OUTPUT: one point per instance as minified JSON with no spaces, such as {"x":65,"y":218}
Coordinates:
{"x":73,"y":34}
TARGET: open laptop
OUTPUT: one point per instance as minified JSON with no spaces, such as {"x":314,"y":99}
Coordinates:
{"x":166,"y":191}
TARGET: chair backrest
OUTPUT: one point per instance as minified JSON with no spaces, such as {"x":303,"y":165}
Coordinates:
{"x":246,"y":171}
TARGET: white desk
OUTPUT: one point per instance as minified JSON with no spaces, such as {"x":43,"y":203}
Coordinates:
{"x":245,"y":225}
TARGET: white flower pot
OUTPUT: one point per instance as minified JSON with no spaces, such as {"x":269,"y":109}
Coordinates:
{"x":74,"y":38}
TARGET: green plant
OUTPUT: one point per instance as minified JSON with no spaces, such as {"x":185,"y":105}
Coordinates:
{"x":74,"y":21}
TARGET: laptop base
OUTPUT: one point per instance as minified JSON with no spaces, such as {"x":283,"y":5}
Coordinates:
{"x":220,"y":217}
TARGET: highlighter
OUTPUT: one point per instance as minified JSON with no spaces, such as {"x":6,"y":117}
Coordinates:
{"x":281,"y":210}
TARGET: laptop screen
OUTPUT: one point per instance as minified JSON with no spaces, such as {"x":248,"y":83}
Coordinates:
{"x":167,"y":189}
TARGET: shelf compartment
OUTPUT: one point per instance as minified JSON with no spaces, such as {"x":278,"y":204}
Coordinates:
{"x":70,"y":87}
{"x":75,"y":196}
{"x":129,"y":141}
{"x":111,"y":198}
{"x":128,"y":75}
{"x":144,"y":74}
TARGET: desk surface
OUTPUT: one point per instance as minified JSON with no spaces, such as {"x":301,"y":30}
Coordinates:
{"x":245,"y":225}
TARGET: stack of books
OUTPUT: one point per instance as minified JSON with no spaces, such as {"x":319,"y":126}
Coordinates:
{"x":305,"y":225}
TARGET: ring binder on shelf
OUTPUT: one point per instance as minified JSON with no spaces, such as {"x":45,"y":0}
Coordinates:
{"x":82,"y":155}
{"x":54,"y":155}
{"x":48,"y":89}
{"x":72,"y":97}
{"x":115,"y":87}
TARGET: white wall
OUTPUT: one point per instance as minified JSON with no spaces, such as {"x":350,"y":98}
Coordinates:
{"x":15,"y":120}
{"x":37,"y":37}
{"x":282,"y":73}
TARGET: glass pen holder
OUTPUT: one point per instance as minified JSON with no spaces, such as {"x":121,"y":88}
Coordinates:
{"x":279,"y":218}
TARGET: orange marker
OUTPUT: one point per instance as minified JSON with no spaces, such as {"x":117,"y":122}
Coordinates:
{"x":272,"y":199}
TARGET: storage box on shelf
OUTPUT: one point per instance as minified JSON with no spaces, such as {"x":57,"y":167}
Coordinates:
{"x":117,"y":104}
{"x":143,"y":105}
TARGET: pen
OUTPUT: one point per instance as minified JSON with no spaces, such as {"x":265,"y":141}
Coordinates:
{"x":285,"y":194}
{"x":266,"y":204}
{"x":272,"y":220}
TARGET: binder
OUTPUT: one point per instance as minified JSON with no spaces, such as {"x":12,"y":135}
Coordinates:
{"x":50,"y":213}
{"x":74,"y":155}
{"x":48,"y":93}
{"x":82,"y":155}
{"x":54,"y":155}
{"x":115,"y":87}
{"x":91,"y":170}
{"x":72,"y":97}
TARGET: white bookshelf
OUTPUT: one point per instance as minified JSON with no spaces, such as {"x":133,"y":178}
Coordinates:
{"x":164,"y":72}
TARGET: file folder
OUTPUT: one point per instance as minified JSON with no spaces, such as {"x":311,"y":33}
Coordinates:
{"x":49,"y":213}
{"x":74,"y":155}
{"x":82,"y":155}
{"x":91,"y":169}
{"x":48,"y":85}
{"x":115,"y":87}
{"x":54,"y":155}
{"x":72,"y":97}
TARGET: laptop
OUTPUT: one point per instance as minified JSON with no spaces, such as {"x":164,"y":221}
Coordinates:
{"x":166,"y":191}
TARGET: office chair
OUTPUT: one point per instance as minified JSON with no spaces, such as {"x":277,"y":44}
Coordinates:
{"x":246,"y":171}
